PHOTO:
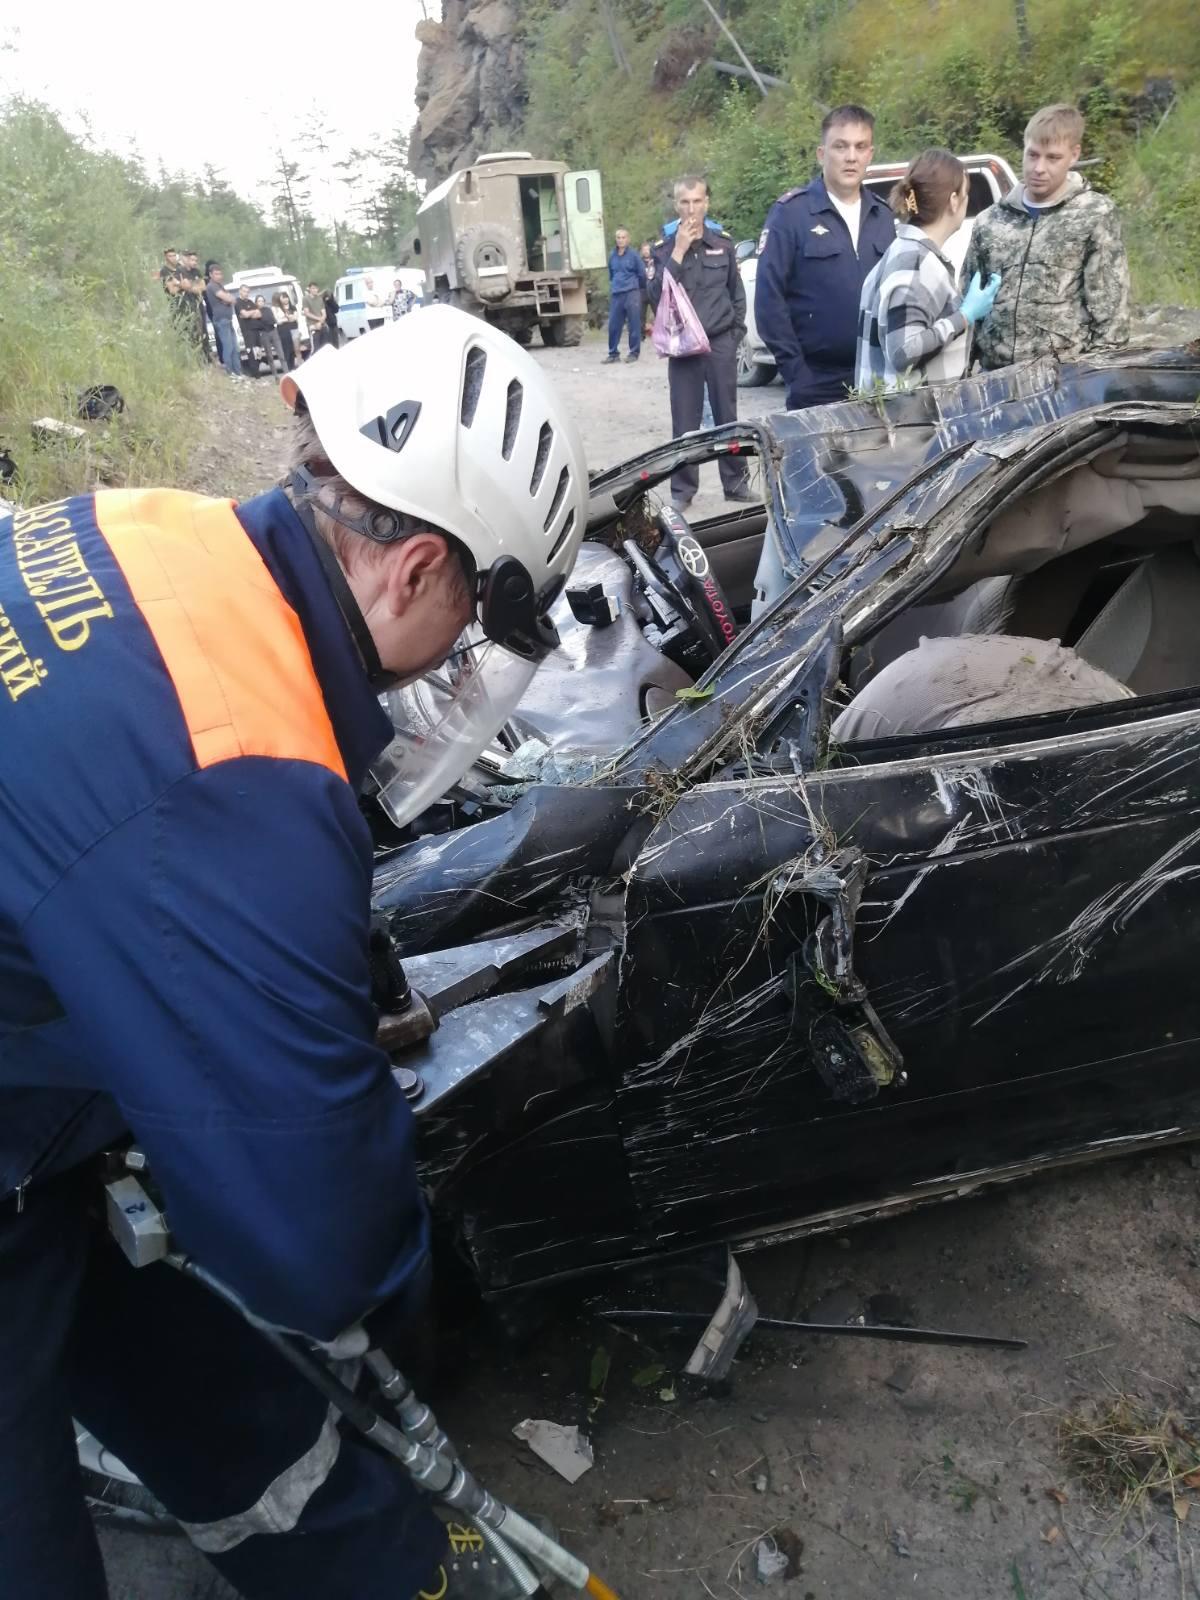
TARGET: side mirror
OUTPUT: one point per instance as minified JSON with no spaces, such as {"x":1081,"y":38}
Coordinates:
{"x":744,"y":249}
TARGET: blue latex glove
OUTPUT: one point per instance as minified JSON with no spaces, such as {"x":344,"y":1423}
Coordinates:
{"x":978,"y":301}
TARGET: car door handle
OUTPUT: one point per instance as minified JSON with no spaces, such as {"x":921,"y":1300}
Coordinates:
{"x":833,"y":1019}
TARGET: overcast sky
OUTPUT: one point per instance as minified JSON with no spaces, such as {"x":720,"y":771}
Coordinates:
{"x":173,"y":85}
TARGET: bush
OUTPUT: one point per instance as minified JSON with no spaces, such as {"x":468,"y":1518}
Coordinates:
{"x":751,"y":161}
{"x":933,"y":73}
{"x":78,"y":308}
{"x":1158,"y":191}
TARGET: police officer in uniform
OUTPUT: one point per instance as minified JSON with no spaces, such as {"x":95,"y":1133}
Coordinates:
{"x":700,"y":256}
{"x":814,"y":255}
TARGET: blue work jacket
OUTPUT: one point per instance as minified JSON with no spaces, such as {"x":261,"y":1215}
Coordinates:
{"x":808,"y":286}
{"x":626,"y":272}
{"x":185,"y":882}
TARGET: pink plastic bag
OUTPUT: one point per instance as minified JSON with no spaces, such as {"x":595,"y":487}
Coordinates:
{"x":677,"y":329}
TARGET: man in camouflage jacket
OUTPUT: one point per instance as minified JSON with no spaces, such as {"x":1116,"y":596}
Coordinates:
{"x":1057,"y":246}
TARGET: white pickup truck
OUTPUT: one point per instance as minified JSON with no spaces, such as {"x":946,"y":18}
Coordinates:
{"x":990,"y":179}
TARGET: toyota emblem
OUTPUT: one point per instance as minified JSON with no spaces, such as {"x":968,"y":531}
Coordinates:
{"x":693,"y":557}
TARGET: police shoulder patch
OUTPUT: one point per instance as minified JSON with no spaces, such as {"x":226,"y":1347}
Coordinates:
{"x":762,"y":240}
{"x":790,"y":194}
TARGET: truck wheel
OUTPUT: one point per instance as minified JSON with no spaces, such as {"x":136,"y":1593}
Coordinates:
{"x":523,"y":334}
{"x":563,"y":331}
{"x":488,"y":257}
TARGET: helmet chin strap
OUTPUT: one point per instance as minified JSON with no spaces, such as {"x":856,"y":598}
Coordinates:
{"x":304,"y":490}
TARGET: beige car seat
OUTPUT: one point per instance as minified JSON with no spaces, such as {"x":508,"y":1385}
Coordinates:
{"x":1148,"y":635}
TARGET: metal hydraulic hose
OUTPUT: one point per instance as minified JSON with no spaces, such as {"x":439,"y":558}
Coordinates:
{"x":521,"y":1571}
{"x":432,"y":1468}
{"x":417,"y":1420}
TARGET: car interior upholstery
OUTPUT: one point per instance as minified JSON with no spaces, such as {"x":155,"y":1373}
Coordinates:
{"x":1105,"y":559}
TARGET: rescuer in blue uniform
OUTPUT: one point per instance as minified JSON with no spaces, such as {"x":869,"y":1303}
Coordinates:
{"x":188,"y":707}
{"x":819,"y":243}
{"x":626,"y":286}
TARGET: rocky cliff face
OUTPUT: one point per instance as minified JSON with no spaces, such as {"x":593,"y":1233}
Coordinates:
{"x":470,"y":85}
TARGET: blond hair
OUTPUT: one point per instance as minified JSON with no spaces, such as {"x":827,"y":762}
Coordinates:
{"x":1061,"y":121}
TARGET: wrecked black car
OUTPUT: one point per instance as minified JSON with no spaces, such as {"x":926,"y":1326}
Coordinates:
{"x":703,"y":971}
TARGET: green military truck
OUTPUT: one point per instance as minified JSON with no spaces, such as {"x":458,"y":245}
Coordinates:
{"x":509,"y":238}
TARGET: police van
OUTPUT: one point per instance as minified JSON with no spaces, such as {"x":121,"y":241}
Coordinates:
{"x":356,"y":314}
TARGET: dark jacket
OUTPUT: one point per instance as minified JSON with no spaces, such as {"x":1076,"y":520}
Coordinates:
{"x":248,"y":317}
{"x":626,"y":272}
{"x":184,"y":888}
{"x":709,"y":274}
{"x":809,"y":285}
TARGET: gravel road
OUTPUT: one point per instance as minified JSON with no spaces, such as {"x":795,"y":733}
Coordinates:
{"x":887,"y":1470}
{"x":625,"y":409}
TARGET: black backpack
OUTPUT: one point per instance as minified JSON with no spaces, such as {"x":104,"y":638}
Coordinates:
{"x":100,"y":402}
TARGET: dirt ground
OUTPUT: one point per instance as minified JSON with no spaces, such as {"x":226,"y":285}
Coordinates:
{"x":885,"y":1470}
{"x":622,"y":410}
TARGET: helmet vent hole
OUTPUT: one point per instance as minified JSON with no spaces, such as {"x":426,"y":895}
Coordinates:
{"x":512,"y":418}
{"x":392,"y":428}
{"x":545,"y":440}
{"x":472,"y":384}
{"x":562,"y":538}
{"x":560,"y":494}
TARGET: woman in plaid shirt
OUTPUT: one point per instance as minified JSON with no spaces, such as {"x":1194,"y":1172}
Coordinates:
{"x":910,"y":310}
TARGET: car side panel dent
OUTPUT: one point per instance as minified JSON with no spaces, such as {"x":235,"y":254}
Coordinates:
{"x":1024,"y":911}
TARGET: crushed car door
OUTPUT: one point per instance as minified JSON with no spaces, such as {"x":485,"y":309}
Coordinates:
{"x":877,"y":981}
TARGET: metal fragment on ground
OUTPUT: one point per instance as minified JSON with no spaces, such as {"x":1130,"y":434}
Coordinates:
{"x":565,"y":1449}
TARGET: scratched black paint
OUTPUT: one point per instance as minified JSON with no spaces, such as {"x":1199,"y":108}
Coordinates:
{"x":1027,"y":894}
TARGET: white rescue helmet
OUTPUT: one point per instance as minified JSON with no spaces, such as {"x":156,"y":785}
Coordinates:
{"x":447,"y":420}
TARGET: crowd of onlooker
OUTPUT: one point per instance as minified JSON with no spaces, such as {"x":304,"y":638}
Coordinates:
{"x":856,"y":295}
{"x":853,"y":293}
{"x":214,"y":314}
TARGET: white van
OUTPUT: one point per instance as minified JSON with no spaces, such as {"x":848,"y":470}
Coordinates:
{"x":269,"y":281}
{"x":355,"y":316}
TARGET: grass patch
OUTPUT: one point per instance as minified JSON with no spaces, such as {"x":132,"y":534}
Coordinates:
{"x":80,"y":307}
{"x":1158,"y":191}
{"x":1126,"y":1454}
{"x":43,"y":368}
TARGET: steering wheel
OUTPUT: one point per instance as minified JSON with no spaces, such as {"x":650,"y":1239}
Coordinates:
{"x":683,"y":566}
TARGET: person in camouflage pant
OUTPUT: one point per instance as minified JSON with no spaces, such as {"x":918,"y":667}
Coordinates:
{"x":1057,"y":246}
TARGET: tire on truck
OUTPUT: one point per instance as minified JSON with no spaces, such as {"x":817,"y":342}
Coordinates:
{"x":488,"y":258}
{"x":563,"y":331}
